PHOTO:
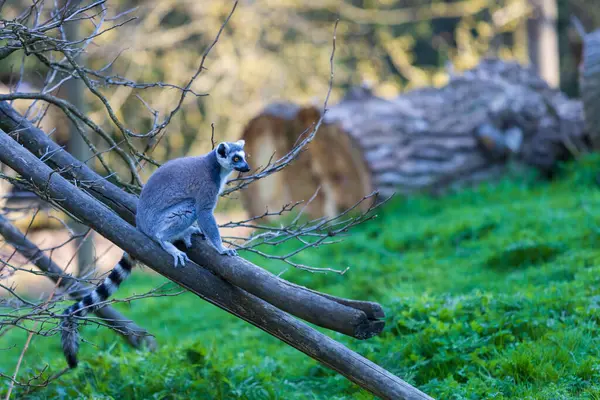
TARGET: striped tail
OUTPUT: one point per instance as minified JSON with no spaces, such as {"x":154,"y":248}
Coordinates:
{"x":69,"y":324}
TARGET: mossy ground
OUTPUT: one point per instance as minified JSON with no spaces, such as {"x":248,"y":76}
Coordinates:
{"x":490,"y":293}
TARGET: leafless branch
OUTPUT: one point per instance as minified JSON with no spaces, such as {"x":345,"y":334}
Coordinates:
{"x":303,"y":140}
{"x":39,"y":34}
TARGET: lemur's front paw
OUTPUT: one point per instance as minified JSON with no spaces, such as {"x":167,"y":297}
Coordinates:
{"x":180,"y":257}
{"x":228,"y":252}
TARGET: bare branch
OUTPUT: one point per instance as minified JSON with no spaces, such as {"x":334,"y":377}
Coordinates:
{"x":303,"y":140}
{"x":67,"y":283}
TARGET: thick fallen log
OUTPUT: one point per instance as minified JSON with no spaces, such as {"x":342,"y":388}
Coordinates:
{"x":358,"y":319}
{"x":135,"y":335}
{"x":202,"y":282}
{"x":332,"y":162}
{"x":590,"y":83}
{"x":425,"y":140}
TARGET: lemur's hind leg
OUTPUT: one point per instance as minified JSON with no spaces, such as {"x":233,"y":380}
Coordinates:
{"x":174,"y":224}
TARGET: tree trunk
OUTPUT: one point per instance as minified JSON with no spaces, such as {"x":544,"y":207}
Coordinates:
{"x":426,"y":140}
{"x":543,"y":40}
{"x":78,"y":147}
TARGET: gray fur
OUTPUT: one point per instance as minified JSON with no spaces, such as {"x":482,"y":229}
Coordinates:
{"x":179,"y":193}
{"x":184,"y":191}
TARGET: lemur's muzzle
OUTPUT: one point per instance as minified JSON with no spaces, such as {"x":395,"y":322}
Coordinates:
{"x":243,"y":168}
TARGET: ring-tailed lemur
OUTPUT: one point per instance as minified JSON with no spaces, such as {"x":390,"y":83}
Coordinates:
{"x":179,"y":193}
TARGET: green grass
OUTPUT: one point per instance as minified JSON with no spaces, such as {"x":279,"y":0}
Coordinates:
{"x":490,"y":293}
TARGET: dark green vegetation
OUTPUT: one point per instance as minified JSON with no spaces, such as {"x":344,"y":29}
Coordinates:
{"x":491,"y":293}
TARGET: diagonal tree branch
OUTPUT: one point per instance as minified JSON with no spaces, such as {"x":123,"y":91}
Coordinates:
{"x":36,"y":141}
{"x":202,"y":282}
{"x":358,"y":319}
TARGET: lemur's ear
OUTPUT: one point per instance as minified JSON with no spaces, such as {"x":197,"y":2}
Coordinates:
{"x":222,"y":149}
{"x":241,"y":143}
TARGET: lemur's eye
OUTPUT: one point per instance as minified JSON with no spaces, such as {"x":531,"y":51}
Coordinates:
{"x":236,"y":158}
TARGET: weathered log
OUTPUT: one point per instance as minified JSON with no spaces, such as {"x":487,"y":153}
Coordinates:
{"x":345,"y":316}
{"x":202,"y":282}
{"x":425,"y":140}
{"x":134,"y":334}
{"x":332,"y":163}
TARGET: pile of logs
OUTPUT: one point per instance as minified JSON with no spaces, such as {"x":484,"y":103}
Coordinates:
{"x":426,"y":140}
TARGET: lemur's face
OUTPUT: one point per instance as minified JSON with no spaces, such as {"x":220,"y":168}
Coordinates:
{"x":231,"y":156}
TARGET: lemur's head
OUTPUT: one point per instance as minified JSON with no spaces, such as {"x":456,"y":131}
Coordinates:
{"x":231,"y":156}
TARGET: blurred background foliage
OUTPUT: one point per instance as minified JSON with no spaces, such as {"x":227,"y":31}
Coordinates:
{"x":279,"y":50}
